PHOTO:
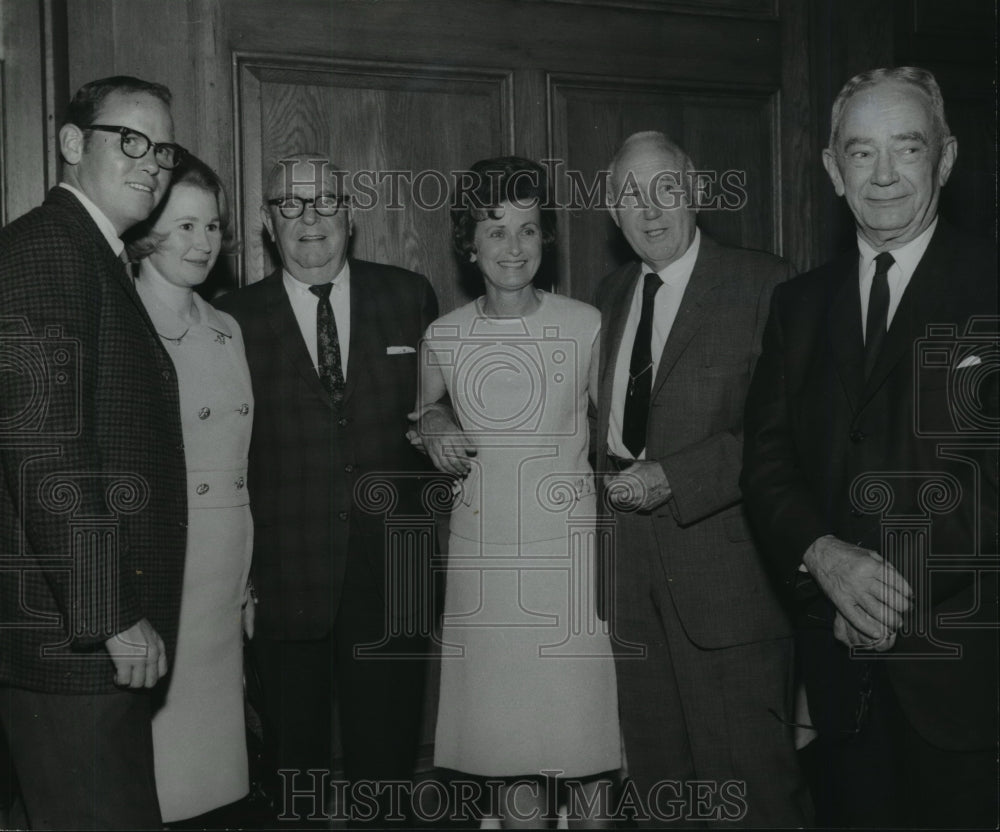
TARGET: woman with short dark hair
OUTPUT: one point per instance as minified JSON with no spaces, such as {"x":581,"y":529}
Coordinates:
{"x":527,"y":674}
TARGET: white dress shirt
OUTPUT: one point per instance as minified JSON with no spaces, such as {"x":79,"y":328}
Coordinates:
{"x":675,"y":279}
{"x":304,"y":305}
{"x":98,"y":216}
{"x":906,"y":258}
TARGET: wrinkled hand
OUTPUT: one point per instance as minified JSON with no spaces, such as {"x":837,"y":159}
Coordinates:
{"x":852,"y":637}
{"x":868,"y":592}
{"x":642,"y":486}
{"x":249,"y":611}
{"x":139,"y":655}
{"x":438,"y":435}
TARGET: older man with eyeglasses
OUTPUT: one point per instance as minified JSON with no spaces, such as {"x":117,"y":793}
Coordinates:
{"x":92,"y":475}
{"x":331,"y":342}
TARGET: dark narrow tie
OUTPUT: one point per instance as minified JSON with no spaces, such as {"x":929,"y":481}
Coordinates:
{"x":331,"y":373}
{"x":640,"y":372}
{"x":878,"y":311}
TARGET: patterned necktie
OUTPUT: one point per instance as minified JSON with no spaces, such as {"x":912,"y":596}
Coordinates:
{"x":640,"y":372}
{"x":878,"y":311}
{"x":331,"y":372}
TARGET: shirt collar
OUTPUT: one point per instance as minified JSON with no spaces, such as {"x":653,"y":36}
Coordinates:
{"x":99,"y":217}
{"x":293,"y":284}
{"x":680,"y":270}
{"x":168,"y":323}
{"x":907,"y":256}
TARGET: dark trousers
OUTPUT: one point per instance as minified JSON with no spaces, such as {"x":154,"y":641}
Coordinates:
{"x":377,"y":681}
{"x":699,"y":735}
{"x":876,"y":770}
{"x":82,"y":761}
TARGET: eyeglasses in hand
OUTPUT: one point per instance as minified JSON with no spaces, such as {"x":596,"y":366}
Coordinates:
{"x":326,"y":205}
{"x":135,"y":145}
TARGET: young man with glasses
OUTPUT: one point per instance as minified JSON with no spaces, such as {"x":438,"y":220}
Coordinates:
{"x":332,"y":346}
{"x":92,"y":475}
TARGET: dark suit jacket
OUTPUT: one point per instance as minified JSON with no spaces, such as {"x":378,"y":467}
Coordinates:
{"x":91,"y":456}
{"x":914,"y":446}
{"x":695,"y":431}
{"x":306,"y":456}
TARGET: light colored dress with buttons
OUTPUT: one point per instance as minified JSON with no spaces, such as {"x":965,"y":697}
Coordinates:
{"x":527,"y":673}
{"x":199,"y":734}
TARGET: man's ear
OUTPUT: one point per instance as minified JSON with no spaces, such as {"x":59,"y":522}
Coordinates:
{"x":265,"y":218}
{"x":71,"y":141}
{"x":833,"y":171}
{"x":614,"y":215}
{"x":949,"y":153}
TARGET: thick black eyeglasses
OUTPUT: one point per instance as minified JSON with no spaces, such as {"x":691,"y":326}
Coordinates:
{"x":135,"y":145}
{"x":326,"y":205}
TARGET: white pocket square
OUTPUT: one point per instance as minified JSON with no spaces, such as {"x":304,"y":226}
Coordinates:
{"x":969,"y":361}
{"x":399,"y":350}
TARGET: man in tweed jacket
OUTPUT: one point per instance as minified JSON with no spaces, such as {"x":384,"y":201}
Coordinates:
{"x":92,"y":475}
{"x":703,"y":647}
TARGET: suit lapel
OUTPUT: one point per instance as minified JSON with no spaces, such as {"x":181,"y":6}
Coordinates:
{"x":844,"y":325}
{"x":365,"y":330}
{"x":695,"y":305}
{"x":113,"y":266}
{"x":121,"y":277}
{"x":615,"y":318}
{"x":289,"y":338}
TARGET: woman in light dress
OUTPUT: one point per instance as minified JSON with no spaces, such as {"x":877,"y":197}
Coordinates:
{"x":199,"y":734}
{"x":527,"y":674}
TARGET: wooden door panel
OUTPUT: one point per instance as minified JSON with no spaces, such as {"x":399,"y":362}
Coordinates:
{"x":400,"y":133}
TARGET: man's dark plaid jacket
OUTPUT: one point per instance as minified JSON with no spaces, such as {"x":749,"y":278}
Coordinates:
{"x":92,"y":478}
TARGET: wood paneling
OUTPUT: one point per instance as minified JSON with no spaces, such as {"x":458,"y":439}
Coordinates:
{"x":31,"y":75}
{"x":845,"y":37}
{"x":731,"y":135}
{"x":394,"y":128}
{"x":799,"y":140}
{"x":202,"y":50}
{"x":516,"y":34}
{"x":737,"y":8}
{"x":956,"y":41}
{"x":3,"y":153}
{"x":802,"y":50}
